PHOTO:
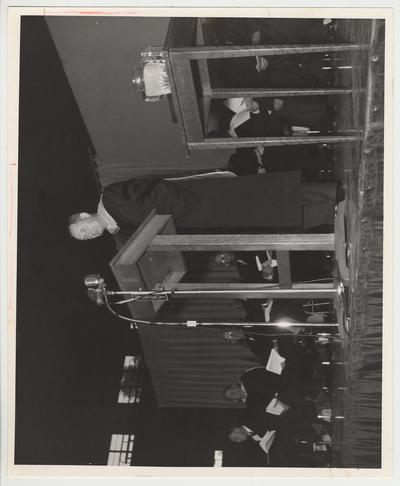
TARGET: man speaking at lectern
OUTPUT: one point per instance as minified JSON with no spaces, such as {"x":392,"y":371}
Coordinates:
{"x":276,"y":202}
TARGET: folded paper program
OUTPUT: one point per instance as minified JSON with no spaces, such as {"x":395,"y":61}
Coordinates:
{"x":156,"y":82}
{"x":235,"y":104}
{"x":271,"y":262}
{"x":241,"y":107}
{"x":239,"y":119}
{"x":276,"y":407}
{"x":275,"y":362}
{"x":267,"y":440}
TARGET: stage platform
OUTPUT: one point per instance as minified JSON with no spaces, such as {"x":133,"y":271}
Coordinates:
{"x":357,"y":358}
{"x":190,"y":366}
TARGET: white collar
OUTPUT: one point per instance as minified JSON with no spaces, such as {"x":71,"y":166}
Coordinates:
{"x":109,"y":222}
{"x":251,"y":434}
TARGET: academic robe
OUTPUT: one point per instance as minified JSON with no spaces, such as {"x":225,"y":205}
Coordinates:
{"x":304,"y":266}
{"x":262,"y":385}
{"x":291,"y":30}
{"x":303,"y":111}
{"x":238,"y":31}
{"x":296,"y":157}
{"x":263,"y":124}
{"x":280,"y":158}
{"x":209,"y":205}
{"x":287,"y":71}
{"x":284,"y":452}
{"x":289,"y":426}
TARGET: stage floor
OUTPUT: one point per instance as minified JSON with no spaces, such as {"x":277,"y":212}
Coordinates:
{"x":359,"y":166}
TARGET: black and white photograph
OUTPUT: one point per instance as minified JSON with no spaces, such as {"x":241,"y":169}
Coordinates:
{"x":197,"y":200}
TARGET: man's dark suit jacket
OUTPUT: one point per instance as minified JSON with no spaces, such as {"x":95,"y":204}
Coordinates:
{"x":218,"y":204}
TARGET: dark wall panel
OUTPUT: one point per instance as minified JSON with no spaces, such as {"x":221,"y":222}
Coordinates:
{"x":131,"y":137}
{"x":69,"y":352}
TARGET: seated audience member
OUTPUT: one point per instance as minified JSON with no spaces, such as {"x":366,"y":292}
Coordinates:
{"x":252,"y":266}
{"x":261,"y":340}
{"x":273,"y":402}
{"x":289,"y":444}
{"x":307,"y":113}
{"x":301,"y":359}
{"x":244,"y":162}
{"x":254,"y":339}
{"x":310,"y":159}
{"x":258,"y":387}
{"x":265,"y":123}
{"x":266,"y":31}
{"x":282,"y":71}
{"x":260,"y":267}
{"x":268,"y":447}
{"x":244,"y":117}
{"x":275,"y":310}
{"x":256,"y":384}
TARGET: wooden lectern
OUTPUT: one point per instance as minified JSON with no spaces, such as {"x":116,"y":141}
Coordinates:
{"x":153,"y":259}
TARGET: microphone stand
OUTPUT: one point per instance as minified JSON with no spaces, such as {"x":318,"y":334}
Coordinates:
{"x":98,"y":293}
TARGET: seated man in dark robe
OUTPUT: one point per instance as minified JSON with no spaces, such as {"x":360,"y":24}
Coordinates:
{"x":254,"y":267}
{"x":307,"y":158}
{"x":294,"y":445}
{"x":266,"y":123}
{"x":289,"y":424}
{"x":315,"y":162}
{"x":305,"y":266}
{"x":245,"y":117}
{"x":283,"y":71}
{"x":301,"y":360}
{"x":312,"y":113}
{"x":265,"y":31}
{"x":281,"y":450}
{"x":206,"y":205}
{"x":286,"y":436}
{"x":261,"y":387}
{"x":261,"y":340}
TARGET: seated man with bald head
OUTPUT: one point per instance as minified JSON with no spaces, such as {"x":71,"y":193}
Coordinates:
{"x":257,"y":387}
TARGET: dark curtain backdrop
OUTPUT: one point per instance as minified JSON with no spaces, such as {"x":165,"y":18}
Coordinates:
{"x":190,"y":367}
{"x":362,"y":428}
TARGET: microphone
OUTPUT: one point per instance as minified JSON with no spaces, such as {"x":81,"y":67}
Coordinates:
{"x":93,"y":280}
{"x":96,"y":295}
